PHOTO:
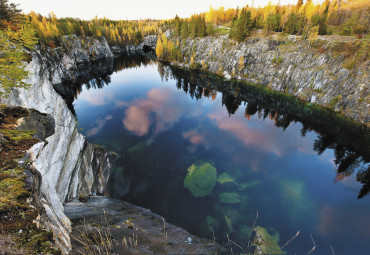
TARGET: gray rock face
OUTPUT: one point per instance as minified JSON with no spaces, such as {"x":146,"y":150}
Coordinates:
{"x":288,"y":65}
{"x":70,"y":167}
{"x":149,"y":43}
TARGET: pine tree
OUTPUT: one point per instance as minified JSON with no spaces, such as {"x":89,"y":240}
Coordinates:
{"x":12,"y":57}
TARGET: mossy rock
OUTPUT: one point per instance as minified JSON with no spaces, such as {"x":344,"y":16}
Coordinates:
{"x":267,"y":244}
{"x":246,"y":185}
{"x":230,"y":198}
{"x":201,"y":178}
{"x":225,"y":178}
{"x":18,"y":135}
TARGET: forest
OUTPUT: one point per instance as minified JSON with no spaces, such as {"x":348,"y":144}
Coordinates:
{"x":305,"y":18}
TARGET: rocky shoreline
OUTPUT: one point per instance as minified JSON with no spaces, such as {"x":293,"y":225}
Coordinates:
{"x":287,"y":64}
{"x":129,"y":229}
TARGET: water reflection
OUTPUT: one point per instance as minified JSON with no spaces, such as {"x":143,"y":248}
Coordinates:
{"x":272,"y":153}
{"x":97,"y":75}
{"x":350,"y":141}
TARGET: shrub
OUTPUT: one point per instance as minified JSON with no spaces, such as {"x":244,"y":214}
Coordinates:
{"x":350,"y":65}
{"x":277,"y":60}
{"x":360,"y":30}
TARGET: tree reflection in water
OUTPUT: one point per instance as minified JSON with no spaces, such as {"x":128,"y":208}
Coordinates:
{"x":350,"y":141}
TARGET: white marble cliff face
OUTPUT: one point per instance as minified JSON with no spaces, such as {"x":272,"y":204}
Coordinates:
{"x":69,"y":165}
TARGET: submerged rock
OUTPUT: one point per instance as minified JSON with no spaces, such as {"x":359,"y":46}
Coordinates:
{"x":213,"y":222}
{"x":266,"y":243}
{"x":225,"y":178}
{"x":201,"y":178}
{"x":230,"y":198}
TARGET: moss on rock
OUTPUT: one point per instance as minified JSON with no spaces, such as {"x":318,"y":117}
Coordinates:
{"x":266,"y":243}
{"x":201,"y":178}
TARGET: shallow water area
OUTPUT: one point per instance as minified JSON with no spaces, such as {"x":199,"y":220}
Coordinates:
{"x":209,"y":156}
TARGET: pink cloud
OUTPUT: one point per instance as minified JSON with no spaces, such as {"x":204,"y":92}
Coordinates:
{"x":194,"y":137}
{"x":137,"y":120}
{"x":343,"y":221}
{"x":95,"y":97}
{"x":162,"y":107}
{"x":247,"y":135}
{"x":100,"y":125}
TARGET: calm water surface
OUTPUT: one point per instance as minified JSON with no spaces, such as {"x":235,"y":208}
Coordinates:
{"x":161,"y":122}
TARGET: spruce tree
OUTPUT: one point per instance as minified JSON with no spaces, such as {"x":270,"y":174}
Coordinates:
{"x":184,"y":30}
{"x":243,"y":26}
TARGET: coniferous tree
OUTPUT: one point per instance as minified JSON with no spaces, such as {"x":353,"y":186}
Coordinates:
{"x":178,"y":28}
{"x":292,"y":24}
{"x":16,"y":34}
{"x":232,"y":31}
{"x":9,"y":13}
{"x":202,"y":27}
{"x":184,"y":29}
{"x":193,"y":27}
{"x":243,"y":26}
{"x":209,"y":29}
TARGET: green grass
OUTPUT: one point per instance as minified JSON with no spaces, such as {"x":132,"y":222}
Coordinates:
{"x":12,"y":188}
{"x":17,"y":135}
{"x":221,"y":31}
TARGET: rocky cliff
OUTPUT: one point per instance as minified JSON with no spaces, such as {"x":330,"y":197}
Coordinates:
{"x":70,"y":167}
{"x":287,"y":64}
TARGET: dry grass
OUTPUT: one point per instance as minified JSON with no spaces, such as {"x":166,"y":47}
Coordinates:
{"x":98,"y":240}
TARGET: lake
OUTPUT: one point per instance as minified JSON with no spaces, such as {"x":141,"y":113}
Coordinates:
{"x":219,"y":158}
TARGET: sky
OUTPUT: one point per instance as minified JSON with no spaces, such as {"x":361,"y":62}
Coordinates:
{"x":131,"y":9}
